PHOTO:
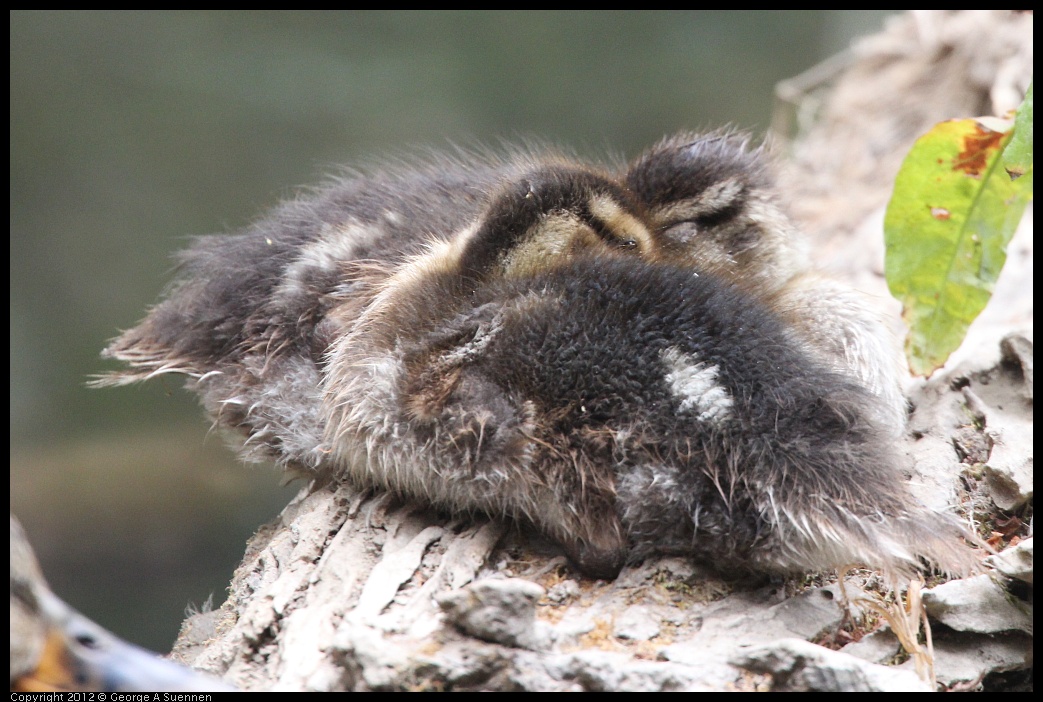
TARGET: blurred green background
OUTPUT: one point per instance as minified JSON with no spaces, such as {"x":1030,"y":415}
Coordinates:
{"x":132,"y":130}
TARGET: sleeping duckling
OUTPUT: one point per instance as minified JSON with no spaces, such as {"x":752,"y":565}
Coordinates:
{"x":633,"y":362}
{"x":711,"y":203}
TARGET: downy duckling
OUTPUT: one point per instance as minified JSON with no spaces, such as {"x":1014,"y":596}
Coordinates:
{"x":634,"y":361}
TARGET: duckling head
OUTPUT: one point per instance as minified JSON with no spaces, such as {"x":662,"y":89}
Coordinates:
{"x":710,"y":203}
{"x":552,"y":215}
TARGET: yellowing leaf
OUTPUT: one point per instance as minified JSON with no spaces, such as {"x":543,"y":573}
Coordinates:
{"x":946,"y":230}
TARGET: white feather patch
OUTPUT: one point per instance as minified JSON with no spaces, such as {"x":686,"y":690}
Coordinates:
{"x":695,"y":384}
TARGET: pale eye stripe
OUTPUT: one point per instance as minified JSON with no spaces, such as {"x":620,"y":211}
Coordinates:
{"x":715,"y":199}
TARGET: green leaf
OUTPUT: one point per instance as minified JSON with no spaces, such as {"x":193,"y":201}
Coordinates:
{"x":1017,"y":157}
{"x":946,"y":230}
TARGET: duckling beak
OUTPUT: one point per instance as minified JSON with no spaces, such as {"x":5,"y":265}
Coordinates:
{"x":80,"y":655}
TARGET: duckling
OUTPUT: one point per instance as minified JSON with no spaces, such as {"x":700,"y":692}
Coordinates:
{"x":712,"y":206}
{"x":54,"y":648}
{"x":634,"y":361}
